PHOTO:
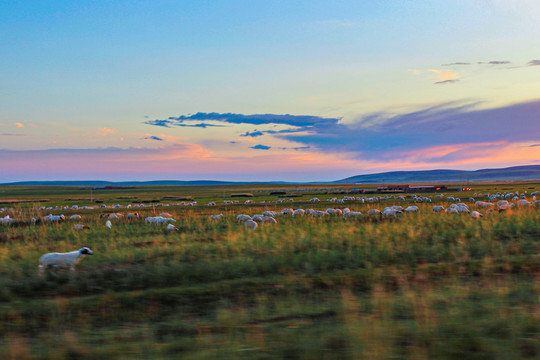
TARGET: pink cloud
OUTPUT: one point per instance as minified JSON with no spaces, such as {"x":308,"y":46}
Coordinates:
{"x":105,"y":131}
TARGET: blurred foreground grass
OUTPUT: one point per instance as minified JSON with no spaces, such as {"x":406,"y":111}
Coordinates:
{"x":422,"y":286}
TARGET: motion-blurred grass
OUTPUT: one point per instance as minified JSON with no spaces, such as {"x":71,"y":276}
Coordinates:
{"x":420,"y":286}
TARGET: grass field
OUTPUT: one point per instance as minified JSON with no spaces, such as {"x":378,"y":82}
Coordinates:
{"x":419,"y":286}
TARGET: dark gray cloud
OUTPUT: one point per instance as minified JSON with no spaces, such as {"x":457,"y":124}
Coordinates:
{"x":447,"y":81}
{"x":302,"y":121}
{"x":456,"y":63}
{"x":533,"y":63}
{"x":496,"y":62}
{"x":260,"y":147}
{"x":153,"y":138}
{"x":253,"y":133}
{"x":385,"y":137}
{"x":200,"y":125}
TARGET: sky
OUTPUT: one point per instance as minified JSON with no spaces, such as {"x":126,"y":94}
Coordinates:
{"x":249,"y":90}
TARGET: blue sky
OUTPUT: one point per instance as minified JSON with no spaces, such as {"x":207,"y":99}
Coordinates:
{"x":93,"y":79}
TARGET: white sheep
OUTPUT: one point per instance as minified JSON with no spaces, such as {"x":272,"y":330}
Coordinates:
{"x":158,"y":220}
{"x":476,"y":215}
{"x":80,"y":227}
{"x":75,"y":217}
{"x":250,"y":224}
{"x":410,"y":209}
{"x":242,"y":218}
{"x":53,"y":218}
{"x":352,"y":214}
{"x":63,"y":260}
{"x":108,"y":224}
{"x":171,"y":227}
{"x":373,"y":212}
{"x":268,"y":220}
{"x":215,"y":217}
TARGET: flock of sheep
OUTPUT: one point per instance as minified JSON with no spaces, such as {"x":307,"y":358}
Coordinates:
{"x":68,"y":260}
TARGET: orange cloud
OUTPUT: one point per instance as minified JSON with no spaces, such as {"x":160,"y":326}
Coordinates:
{"x":105,"y":131}
{"x":444,"y":74}
{"x":19,"y":125}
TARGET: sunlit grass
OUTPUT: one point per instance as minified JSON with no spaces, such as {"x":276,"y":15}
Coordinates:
{"x":420,"y":286}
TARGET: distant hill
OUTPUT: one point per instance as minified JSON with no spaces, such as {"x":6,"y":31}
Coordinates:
{"x":528,"y":172}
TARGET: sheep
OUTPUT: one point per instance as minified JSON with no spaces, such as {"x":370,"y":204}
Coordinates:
{"x":242,"y":218}
{"x":298,"y":212}
{"x":133,"y":216}
{"x":352,"y":214}
{"x":53,"y":218}
{"x":171,"y":227}
{"x":80,"y":227}
{"x":390,"y":211}
{"x":373,"y":212}
{"x":215,"y":217}
{"x":411,"y":209}
{"x":158,"y":220}
{"x":476,"y":215}
{"x":257,"y":218}
{"x":523,"y":202}
{"x":268,"y":220}
{"x":62,"y":260}
{"x":108,"y":224}
{"x":75,"y":217}
{"x":250,"y":224}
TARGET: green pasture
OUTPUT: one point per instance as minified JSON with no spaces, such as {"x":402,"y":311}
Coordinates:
{"x":420,"y":286}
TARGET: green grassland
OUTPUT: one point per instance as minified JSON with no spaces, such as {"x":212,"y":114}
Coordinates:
{"x":420,"y":286}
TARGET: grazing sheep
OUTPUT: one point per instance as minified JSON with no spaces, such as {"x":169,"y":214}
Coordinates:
{"x":351,"y":214}
{"x":389,"y":211}
{"x":437,"y":208}
{"x":75,"y":217}
{"x":133,"y":216}
{"x":171,"y":227}
{"x":242,"y":218}
{"x":476,"y":215}
{"x":250,"y":224}
{"x":215,"y":217}
{"x":63,"y":260}
{"x":257,"y":218}
{"x":373,"y":212}
{"x":80,"y":227}
{"x":158,"y":220}
{"x":411,"y":209}
{"x":108,"y":224}
{"x":54,"y":218}
{"x":268,"y":220}
{"x":298,"y":212}
{"x":523,"y":202}
{"x":6,"y":220}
